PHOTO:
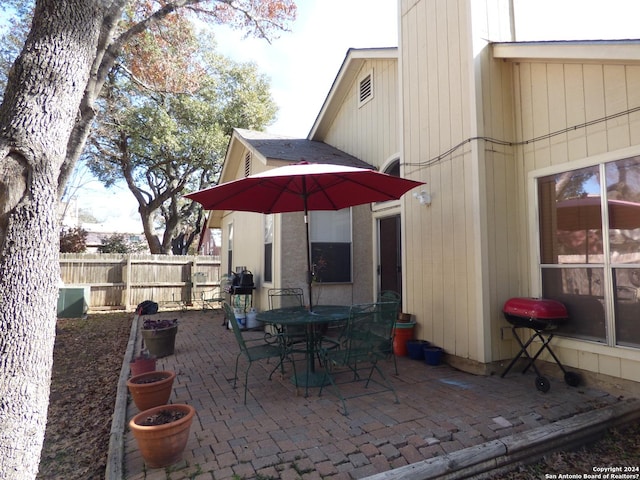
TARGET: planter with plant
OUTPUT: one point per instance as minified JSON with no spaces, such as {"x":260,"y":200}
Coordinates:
{"x":159,"y":336}
{"x":151,"y":389}
{"x":162,"y":433}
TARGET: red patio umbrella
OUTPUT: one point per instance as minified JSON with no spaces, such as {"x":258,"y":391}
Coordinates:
{"x":302,"y":187}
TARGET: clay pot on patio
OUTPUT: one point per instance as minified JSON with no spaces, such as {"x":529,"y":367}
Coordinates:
{"x":151,"y":389}
{"x":142,"y":364}
{"x":162,"y":433}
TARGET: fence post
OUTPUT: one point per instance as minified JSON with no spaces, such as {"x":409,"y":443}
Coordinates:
{"x":127,"y":281}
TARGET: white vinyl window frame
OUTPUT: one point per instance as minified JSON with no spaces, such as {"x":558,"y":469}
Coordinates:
{"x":608,"y":268}
{"x":268,"y":248}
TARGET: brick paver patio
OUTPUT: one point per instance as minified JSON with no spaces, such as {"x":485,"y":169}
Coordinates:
{"x":279,"y":434}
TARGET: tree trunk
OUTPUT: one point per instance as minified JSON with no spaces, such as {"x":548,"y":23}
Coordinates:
{"x":43,"y":95}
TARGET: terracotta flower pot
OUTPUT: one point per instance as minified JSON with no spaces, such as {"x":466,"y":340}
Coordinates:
{"x":151,"y":389}
{"x":142,"y":364}
{"x":162,"y":445}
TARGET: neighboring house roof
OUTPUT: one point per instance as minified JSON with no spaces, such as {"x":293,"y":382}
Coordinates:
{"x":95,"y":238}
{"x":279,"y":148}
{"x":349,"y":70}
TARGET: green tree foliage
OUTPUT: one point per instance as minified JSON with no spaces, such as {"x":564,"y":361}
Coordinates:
{"x":73,"y":240}
{"x":116,"y":243}
{"x":47,"y":112}
{"x":17,"y":17}
{"x":166,"y":144}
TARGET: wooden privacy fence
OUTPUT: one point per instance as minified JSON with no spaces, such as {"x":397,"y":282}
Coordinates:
{"x":125,"y":280}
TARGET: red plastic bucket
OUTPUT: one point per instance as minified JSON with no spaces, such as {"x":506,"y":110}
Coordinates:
{"x":402,"y":332}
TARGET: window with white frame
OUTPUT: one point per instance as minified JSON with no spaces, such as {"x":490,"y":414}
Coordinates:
{"x":589,"y":237}
{"x":230,"y":249}
{"x":268,"y":248}
{"x":330,"y":233}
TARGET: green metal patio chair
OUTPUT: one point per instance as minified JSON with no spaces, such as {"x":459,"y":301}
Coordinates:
{"x":389,"y":296}
{"x":256,"y":349}
{"x":284,"y":298}
{"x":362,"y":345}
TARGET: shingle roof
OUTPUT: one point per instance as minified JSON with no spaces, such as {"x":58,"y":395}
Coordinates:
{"x":277,"y":147}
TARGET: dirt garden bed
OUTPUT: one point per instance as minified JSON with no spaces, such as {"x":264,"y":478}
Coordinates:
{"x":87,"y":360}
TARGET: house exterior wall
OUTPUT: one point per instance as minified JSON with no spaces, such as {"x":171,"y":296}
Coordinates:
{"x":248,"y":229}
{"x":457,"y":270}
{"x":554,"y":96}
{"x":468,"y":121}
{"x":289,"y":251}
{"x":369,"y":132}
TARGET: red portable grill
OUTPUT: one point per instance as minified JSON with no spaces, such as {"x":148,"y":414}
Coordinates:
{"x":542,"y":316}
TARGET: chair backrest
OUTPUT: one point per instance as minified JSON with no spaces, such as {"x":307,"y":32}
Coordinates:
{"x":369,"y":330}
{"x":231,"y":317}
{"x":285,"y":297}
{"x":390,"y":296}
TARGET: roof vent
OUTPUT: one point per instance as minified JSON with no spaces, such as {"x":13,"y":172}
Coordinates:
{"x":247,"y":164}
{"x":365,"y":89}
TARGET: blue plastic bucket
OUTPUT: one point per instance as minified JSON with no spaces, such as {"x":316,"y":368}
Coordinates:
{"x":415,"y":349}
{"x":432,"y":355}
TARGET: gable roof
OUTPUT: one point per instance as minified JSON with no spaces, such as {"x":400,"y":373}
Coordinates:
{"x":272,"y":148}
{"x":280,"y":148}
{"x":351,"y":66}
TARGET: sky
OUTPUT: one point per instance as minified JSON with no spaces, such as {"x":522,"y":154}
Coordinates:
{"x":303,"y":63}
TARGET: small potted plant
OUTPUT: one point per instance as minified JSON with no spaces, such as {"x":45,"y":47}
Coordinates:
{"x":162,"y":433}
{"x":143,"y":363}
{"x":159,"y":336}
{"x":151,"y":389}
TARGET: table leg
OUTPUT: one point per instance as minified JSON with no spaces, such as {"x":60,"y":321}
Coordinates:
{"x":311,"y":377}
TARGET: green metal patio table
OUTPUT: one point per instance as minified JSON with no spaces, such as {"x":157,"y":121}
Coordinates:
{"x":300,"y":316}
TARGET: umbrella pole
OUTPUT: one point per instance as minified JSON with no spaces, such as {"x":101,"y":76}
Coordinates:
{"x":306,"y":226}
{"x":309,"y":275}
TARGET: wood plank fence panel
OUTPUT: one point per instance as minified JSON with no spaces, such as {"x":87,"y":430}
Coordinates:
{"x":125,"y":280}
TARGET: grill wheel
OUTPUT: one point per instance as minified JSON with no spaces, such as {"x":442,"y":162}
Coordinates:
{"x":543,"y":384}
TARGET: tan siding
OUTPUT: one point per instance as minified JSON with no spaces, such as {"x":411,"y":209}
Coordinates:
{"x":470,"y":250}
{"x":595,"y":108}
{"x":553,"y":97}
{"x":460,"y":229}
{"x":577,"y":94}
{"x":369,"y":132}
{"x":440,"y":238}
{"x":632,"y":74}
{"x":615,"y":102}
{"x":574,"y":88}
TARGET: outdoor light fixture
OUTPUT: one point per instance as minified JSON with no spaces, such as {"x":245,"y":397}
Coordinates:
{"x":423,"y":197}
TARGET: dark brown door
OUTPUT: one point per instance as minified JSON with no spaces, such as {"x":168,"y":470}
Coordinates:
{"x":390,"y":254}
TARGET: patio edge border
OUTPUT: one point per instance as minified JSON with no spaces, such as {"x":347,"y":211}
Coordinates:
{"x":501,"y":455}
{"x":115,"y":456}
